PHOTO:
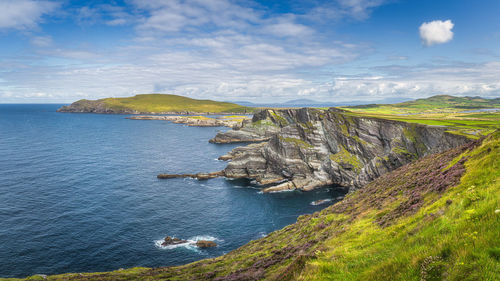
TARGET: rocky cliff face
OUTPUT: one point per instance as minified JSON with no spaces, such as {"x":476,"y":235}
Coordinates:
{"x":308,"y":148}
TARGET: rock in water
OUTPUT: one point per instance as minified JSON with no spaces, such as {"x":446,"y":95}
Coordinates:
{"x":172,"y":241}
{"x":205,"y":244}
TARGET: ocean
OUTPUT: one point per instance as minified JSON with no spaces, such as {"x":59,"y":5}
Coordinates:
{"x":79,"y":193}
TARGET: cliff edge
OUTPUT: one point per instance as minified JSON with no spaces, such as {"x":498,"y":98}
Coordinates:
{"x":308,"y":148}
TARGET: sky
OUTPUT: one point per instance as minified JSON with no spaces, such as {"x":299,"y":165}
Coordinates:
{"x":258,"y":51}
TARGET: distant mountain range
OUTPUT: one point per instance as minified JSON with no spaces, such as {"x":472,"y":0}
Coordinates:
{"x":315,"y":103}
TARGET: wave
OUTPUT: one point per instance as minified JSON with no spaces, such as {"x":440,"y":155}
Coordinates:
{"x":320,"y":202}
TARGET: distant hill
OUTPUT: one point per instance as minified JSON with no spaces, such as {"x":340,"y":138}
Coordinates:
{"x":315,"y":103}
{"x":154,"y":104}
{"x":434,"y":104}
{"x":302,"y":101}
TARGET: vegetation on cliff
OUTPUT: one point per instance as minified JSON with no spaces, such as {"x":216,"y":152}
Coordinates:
{"x":154,"y":103}
{"x":433,"y":219}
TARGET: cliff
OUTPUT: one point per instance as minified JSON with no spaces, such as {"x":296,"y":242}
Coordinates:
{"x":308,"y":148}
{"x":436,"y":218}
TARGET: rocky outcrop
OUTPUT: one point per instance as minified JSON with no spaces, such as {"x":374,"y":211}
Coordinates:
{"x":197,"y":121}
{"x":205,"y":244}
{"x":172,"y":241}
{"x":309,"y":148}
{"x":261,"y":128}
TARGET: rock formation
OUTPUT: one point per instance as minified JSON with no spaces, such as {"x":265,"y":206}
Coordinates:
{"x":172,"y":241}
{"x":205,"y":244}
{"x":308,"y":148}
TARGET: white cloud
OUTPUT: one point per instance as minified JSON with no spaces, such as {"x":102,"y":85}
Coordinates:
{"x":177,"y":15}
{"x":285,"y":28}
{"x":23,"y":14}
{"x":359,"y":9}
{"x":41,"y":41}
{"x":436,"y":32}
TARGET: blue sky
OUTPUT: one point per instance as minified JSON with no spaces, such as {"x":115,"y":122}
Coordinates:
{"x":258,"y":51}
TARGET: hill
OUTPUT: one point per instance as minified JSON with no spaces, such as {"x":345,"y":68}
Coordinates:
{"x":154,"y":104}
{"x":434,"y":219}
{"x":435,"y":104}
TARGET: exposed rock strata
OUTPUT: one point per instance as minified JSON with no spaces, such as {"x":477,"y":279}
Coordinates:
{"x":309,"y":148}
{"x":195,"y":121}
{"x":261,"y":128}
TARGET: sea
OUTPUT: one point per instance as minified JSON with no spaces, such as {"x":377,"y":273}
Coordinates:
{"x":79,"y":193}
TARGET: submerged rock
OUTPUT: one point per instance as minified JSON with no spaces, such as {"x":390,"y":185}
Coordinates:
{"x":205,"y":244}
{"x":199,"y":176}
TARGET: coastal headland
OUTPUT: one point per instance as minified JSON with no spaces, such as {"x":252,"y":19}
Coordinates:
{"x":423,"y":202}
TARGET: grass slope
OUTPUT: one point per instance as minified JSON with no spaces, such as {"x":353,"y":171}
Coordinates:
{"x":170,"y":103}
{"x":435,"y":104}
{"x":434,"y":219}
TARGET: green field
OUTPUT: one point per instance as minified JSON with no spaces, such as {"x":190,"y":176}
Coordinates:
{"x":157,"y":103}
{"x":439,"y":111}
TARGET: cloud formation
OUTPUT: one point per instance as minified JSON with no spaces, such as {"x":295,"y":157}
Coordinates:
{"x":228,"y":50}
{"x":23,"y":14}
{"x":436,"y":32}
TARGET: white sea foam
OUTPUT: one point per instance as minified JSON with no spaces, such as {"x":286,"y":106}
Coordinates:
{"x":281,"y":191}
{"x":319,"y":202}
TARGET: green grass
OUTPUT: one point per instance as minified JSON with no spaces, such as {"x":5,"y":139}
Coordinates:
{"x":156,"y":103}
{"x":297,"y":142}
{"x":472,"y":125}
{"x":344,"y":157}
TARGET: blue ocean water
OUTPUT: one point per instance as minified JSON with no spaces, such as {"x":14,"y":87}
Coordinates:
{"x":79,"y":193}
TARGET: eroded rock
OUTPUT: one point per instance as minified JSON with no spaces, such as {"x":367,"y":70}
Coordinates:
{"x":205,"y":244}
{"x":172,"y":241}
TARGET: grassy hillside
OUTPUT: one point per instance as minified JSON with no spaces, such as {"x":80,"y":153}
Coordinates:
{"x":435,"y":104}
{"x":156,"y":103}
{"x":435,"y":219}
{"x":440,"y":111}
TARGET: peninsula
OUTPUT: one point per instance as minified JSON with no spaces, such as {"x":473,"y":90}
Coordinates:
{"x":155,"y":104}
